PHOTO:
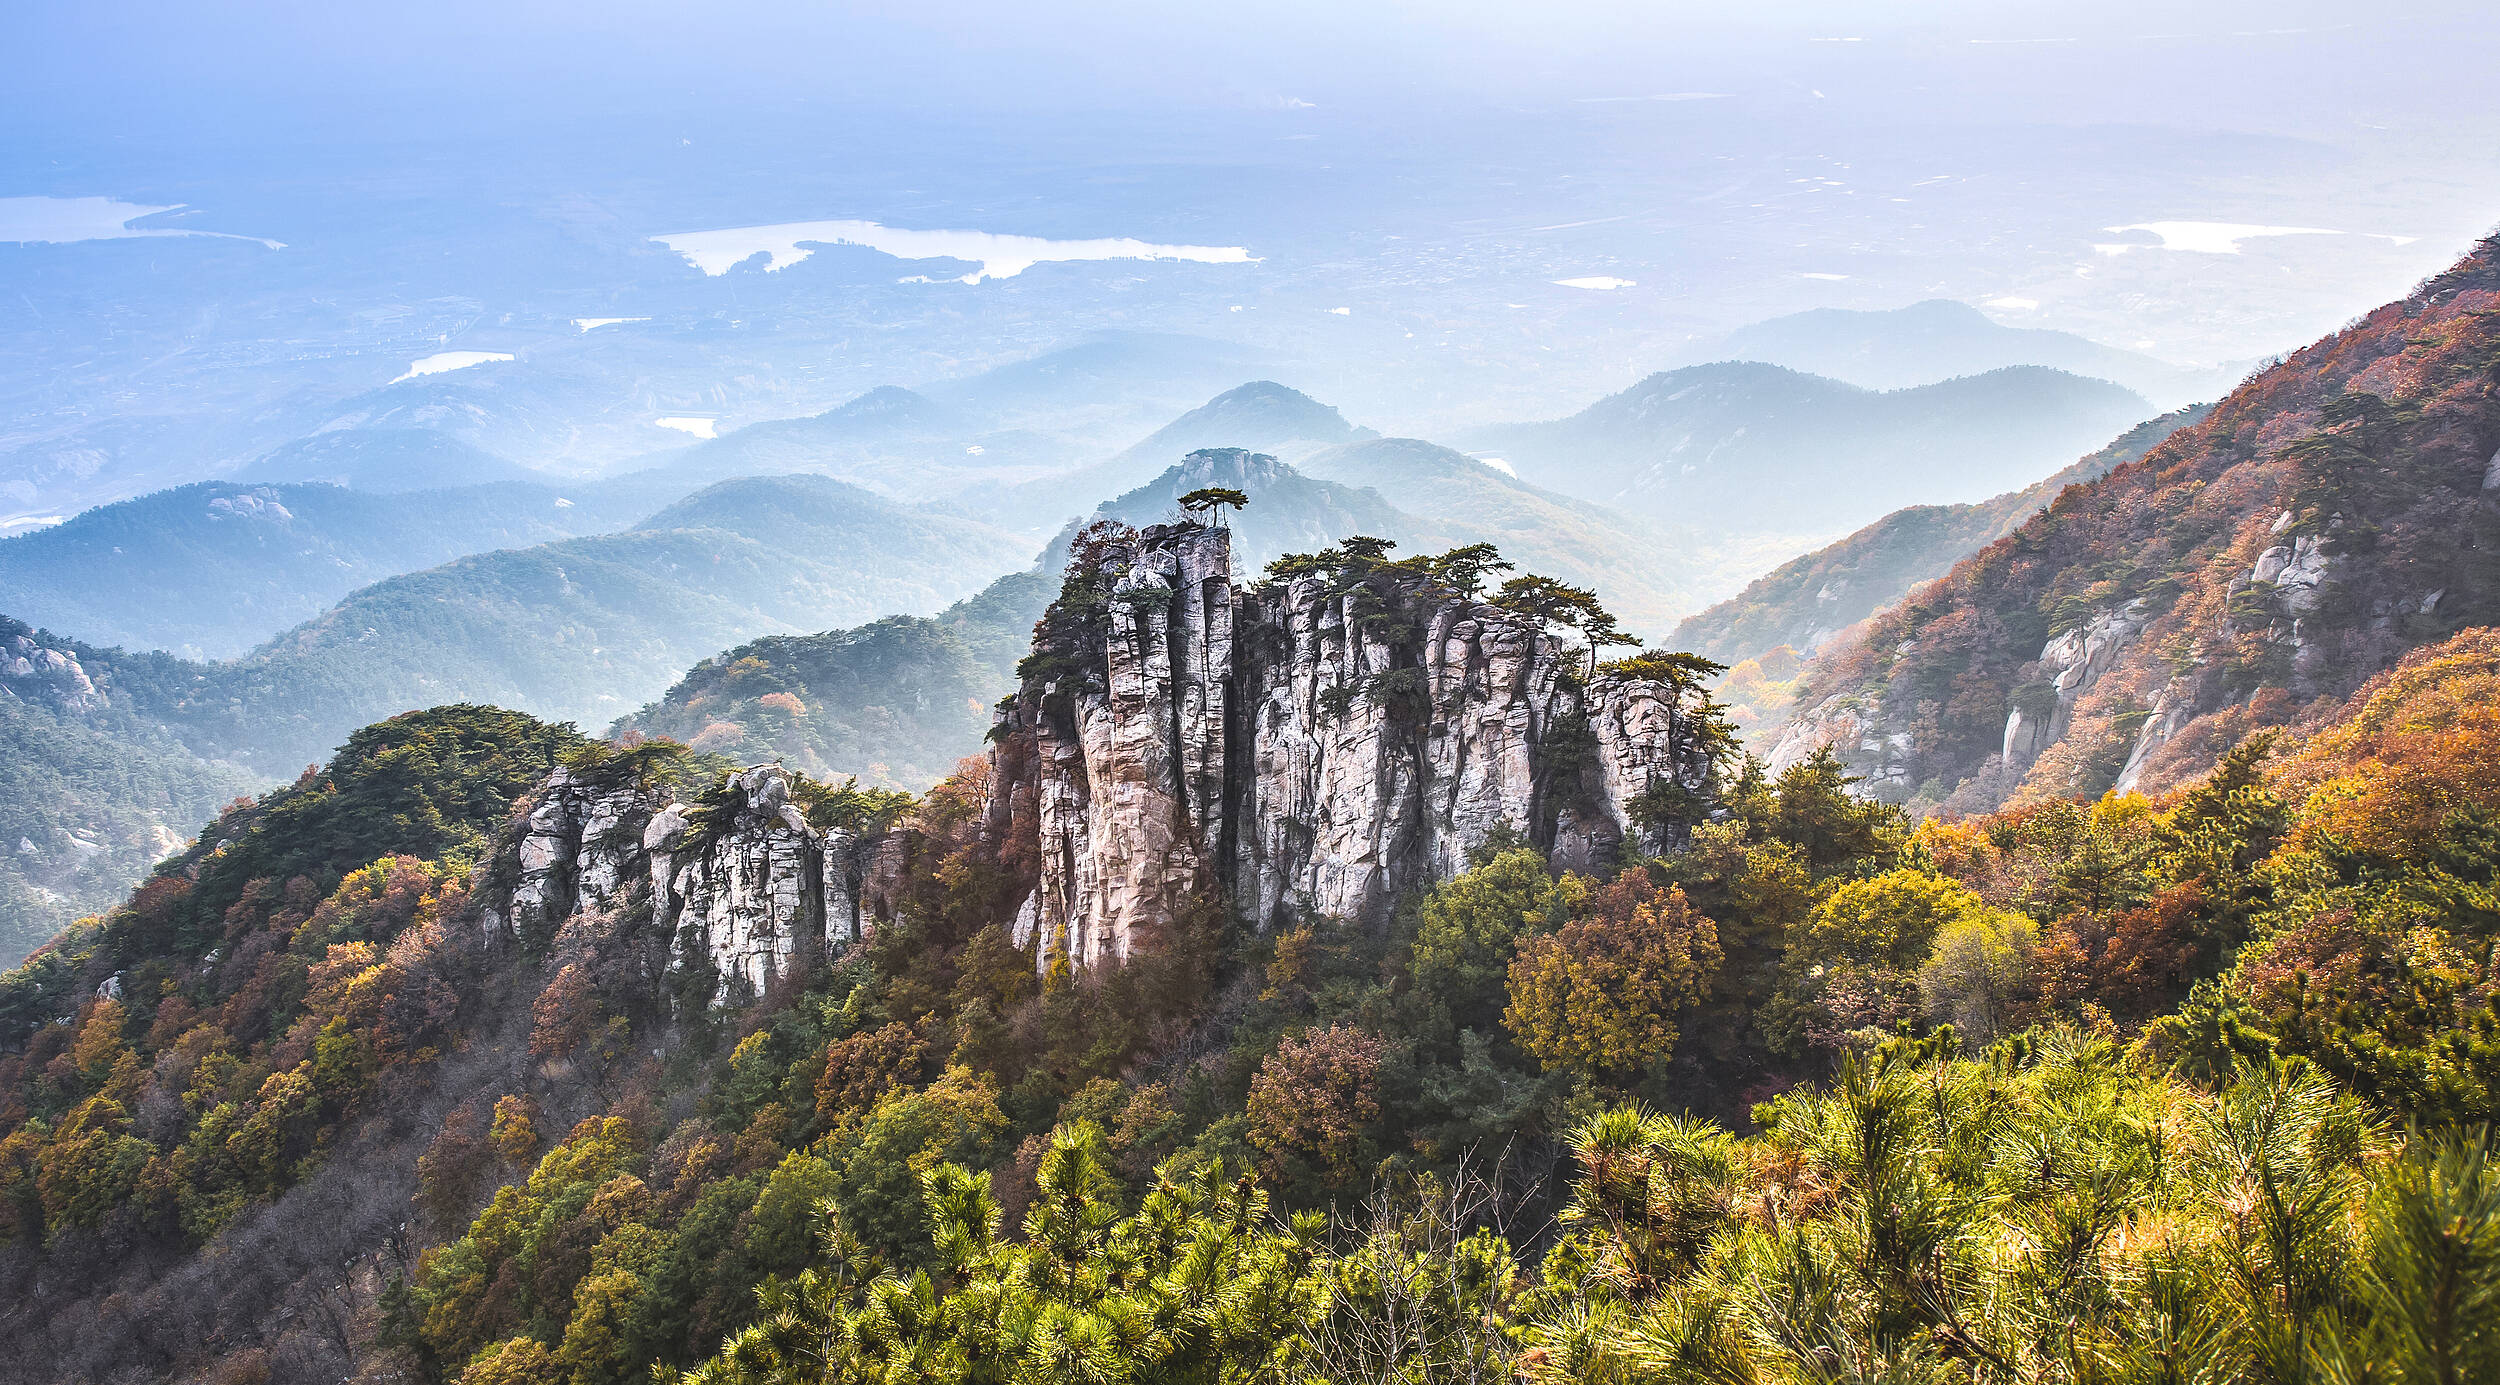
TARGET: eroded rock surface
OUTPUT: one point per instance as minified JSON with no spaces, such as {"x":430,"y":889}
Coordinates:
{"x":743,"y":884}
{"x":1301,"y":750}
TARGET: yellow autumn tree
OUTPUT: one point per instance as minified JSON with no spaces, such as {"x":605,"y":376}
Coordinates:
{"x":1601,"y":995}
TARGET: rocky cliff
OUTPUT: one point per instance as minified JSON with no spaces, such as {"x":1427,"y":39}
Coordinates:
{"x":1311,"y":746}
{"x":740,"y":887}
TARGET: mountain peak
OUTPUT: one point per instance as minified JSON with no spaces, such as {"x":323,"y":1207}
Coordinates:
{"x":893,"y":407}
{"x":1262,"y":413}
{"x":1937,"y":339}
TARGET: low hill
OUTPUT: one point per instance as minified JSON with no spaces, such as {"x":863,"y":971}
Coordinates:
{"x":2330,"y":514}
{"x":1763,"y":449}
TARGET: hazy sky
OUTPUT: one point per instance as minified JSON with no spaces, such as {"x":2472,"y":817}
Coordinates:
{"x":155,"y":64}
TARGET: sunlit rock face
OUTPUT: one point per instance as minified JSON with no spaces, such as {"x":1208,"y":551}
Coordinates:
{"x":1302,"y":749}
{"x":1298,"y":750}
{"x":743,"y":886}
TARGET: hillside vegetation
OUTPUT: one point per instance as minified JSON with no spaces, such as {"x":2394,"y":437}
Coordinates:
{"x":2144,"y":1084}
{"x":94,"y":789}
{"x":2332,"y":513}
{"x":894,"y":703}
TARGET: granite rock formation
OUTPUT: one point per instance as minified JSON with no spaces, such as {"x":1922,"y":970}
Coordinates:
{"x":1309,"y":747}
{"x":742,"y":884}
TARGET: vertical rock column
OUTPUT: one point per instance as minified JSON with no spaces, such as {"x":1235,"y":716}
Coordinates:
{"x":1131,"y":805}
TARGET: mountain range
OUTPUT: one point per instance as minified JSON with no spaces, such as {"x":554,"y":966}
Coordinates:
{"x":1767,"y":450}
{"x":1940,"y":339}
{"x":210,"y":570}
{"x":305,"y":608}
{"x":1811,"y":598}
{"x":580,"y":629}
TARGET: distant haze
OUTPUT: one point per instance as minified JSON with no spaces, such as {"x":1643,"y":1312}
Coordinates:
{"x":1437,"y":219}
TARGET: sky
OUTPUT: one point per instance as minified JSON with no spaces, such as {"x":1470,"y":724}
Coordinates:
{"x":149,"y":63}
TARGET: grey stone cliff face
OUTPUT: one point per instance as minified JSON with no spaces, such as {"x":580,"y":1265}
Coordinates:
{"x":750,"y":891}
{"x":1301,"y":750}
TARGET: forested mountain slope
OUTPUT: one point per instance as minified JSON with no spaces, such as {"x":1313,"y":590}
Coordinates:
{"x":491,"y":1054}
{"x":895,"y":702}
{"x":2334,"y":512}
{"x":94,"y":787}
{"x":1807,"y":600}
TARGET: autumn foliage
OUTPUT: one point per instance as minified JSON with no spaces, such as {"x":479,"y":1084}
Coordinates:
{"x":1602,"y":993}
{"x":1315,"y":1097}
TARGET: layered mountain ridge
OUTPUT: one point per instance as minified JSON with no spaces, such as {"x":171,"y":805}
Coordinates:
{"x":1761,"y":448}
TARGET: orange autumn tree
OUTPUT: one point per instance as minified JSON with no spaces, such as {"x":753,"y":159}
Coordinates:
{"x":1601,"y":994}
{"x":2412,"y":747}
{"x":1315,"y":1096}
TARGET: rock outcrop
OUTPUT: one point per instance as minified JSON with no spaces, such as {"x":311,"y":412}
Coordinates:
{"x":43,"y":673}
{"x":2070,"y":664}
{"x":741,"y":884}
{"x":1307,"y":748}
